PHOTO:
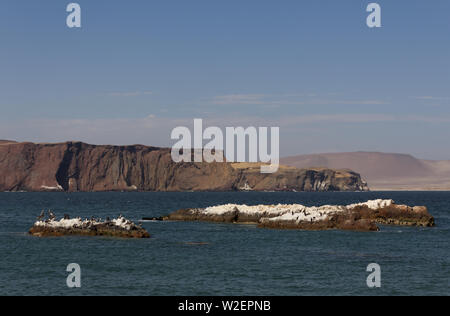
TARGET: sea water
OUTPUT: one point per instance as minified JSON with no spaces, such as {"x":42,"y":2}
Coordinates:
{"x":185,"y":258}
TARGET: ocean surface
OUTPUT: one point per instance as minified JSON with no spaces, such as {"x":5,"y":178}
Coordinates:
{"x":220,"y":259}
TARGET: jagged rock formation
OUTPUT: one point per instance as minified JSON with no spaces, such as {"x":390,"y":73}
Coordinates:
{"x":358,"y":217}
{"x":76,"y":166}
{"x":120,"y":227}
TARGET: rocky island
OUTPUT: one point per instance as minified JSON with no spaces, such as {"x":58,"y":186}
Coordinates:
{"x":80,"y":167}
{"x":357,"y":217}
{"x":120,"y":227}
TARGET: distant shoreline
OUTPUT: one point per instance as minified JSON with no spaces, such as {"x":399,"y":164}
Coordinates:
{"x":409,"y":190}
{"x":316,"y":192}
{"x":384,"y":171}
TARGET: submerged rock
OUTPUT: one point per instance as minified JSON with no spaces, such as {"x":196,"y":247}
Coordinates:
{"x":120,"y":227}
{"x":358,"y":217}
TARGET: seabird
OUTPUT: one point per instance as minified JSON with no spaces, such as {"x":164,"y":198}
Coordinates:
{"x":41,"y":217}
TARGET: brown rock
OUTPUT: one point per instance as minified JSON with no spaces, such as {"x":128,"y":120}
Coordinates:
{"x":53,"y":228}
{"x":105,"y":232}
{"x":401,"y":215}
{"x":355,"y":218}
{"x":76,"y":166}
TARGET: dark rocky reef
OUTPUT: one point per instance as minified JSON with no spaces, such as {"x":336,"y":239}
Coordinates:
{"x":80,"y":167}
{"x":356,"y":217}
{"x":120,"y":228}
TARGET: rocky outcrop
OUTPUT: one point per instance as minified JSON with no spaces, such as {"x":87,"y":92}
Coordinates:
{"x":120,"y":227}
{"x":358,"y":217}
{"x":76,"y":166}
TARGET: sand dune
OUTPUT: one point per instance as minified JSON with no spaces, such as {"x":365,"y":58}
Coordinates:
{"x":383,"y":171}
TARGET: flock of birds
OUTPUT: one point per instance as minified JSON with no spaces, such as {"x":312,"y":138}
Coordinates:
{"x":306,"y":214}
{"x":52,"y":217}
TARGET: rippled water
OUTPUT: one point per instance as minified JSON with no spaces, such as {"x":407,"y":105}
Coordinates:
{"x":220,"y":259}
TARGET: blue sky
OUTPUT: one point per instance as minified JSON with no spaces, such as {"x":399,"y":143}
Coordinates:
{"x":137,"y":69}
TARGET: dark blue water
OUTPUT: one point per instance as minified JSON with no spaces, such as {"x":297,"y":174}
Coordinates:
{"x":237,"y":259}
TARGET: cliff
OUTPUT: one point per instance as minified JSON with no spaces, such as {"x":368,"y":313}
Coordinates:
{"x":76,"y":166}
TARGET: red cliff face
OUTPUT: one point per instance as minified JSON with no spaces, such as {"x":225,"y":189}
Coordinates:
{"x":76,"y":166}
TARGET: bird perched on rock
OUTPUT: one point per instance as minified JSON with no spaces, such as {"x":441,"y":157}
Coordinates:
{"x":41,"y":217}
{"x":51,"y":216}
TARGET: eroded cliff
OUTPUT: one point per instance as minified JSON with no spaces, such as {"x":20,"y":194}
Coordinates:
{"x":76,"y":166}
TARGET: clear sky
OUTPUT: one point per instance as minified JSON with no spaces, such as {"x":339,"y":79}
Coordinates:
{"x":137,"y":69}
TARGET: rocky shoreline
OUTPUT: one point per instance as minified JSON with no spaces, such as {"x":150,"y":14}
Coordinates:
{"x":356,"y":217}
{"x":120,"y":227}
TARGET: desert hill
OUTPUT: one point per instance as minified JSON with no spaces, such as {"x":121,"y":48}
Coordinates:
{"x":383,"y":171}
